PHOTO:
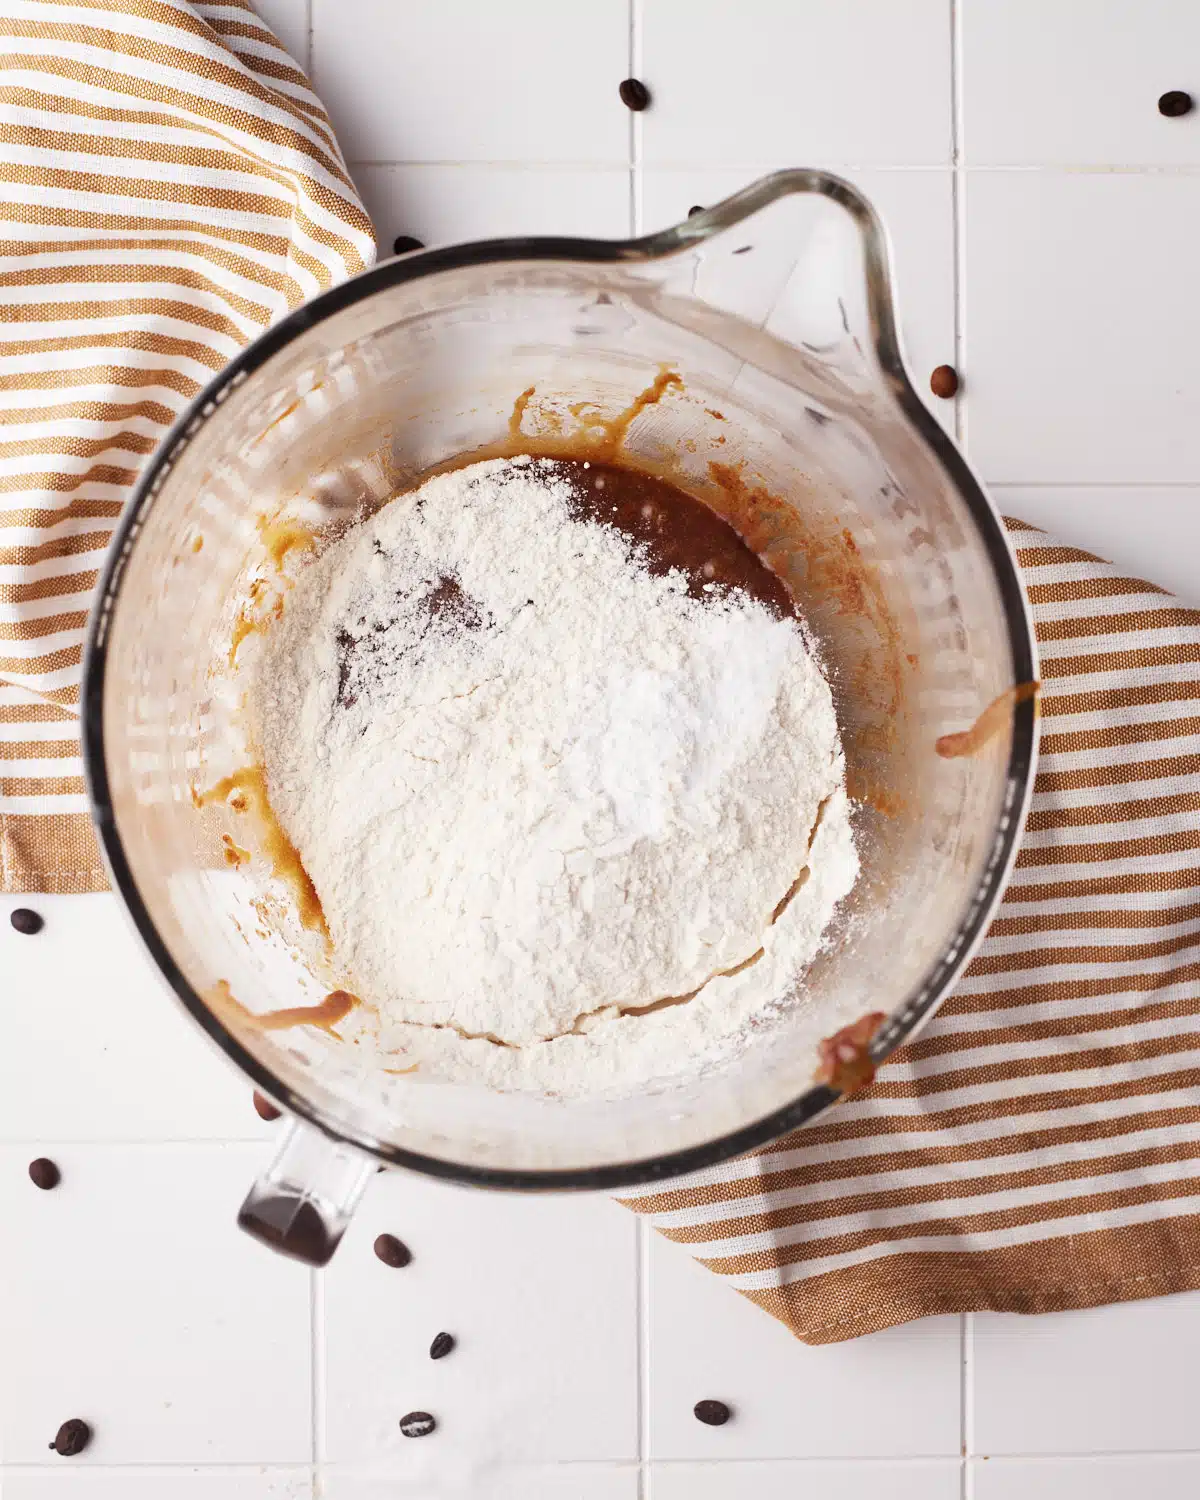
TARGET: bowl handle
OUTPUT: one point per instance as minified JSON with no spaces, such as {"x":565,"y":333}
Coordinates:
{"x":302,"y":1203}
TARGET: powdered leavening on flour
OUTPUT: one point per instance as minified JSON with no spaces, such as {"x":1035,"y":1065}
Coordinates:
{"x":541,"y":790}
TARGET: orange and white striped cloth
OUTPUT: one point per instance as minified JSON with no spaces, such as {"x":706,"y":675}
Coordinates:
{"x":1038,"y":1147}
{"x":169,"y":185}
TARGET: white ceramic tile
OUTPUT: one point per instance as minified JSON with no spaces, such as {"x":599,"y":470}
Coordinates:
{"x":889,"y":1395}
{"x":129,"y":1298}
{"x":540,"y":1293}
{"x":529,"y":80}
{"x":805,"y":84}
{"x":920,"y":1480}
{"x":1082,"y":327}
{"x":1150,"y":533}
{"x":441,"y":205}
{"x":1067,"y":81}
{"x":918,"y":212}
{"x":1114,"y":1378}
{"x":94,"y":1046}
{"x":1147,"y":1477}
{"x":539,"y":1482}
{"x":288,"y":19}
{"x":70,"y":1483}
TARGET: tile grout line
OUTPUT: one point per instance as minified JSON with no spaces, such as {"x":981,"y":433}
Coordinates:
{"x":642,"y":1304}
{"x":958,"y":212}
{"x":169,"y":1466}
{"x":862,"y":1463}
{"x":133,"y":1142}
{"x":308,"y":61}
{"x":316,"y":1329}
{"x":635,"y":121}
{"x":503,"y":163}
{"x":759,"y":166}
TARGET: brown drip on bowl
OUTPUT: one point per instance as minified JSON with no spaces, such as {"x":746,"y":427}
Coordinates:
{"x":335,"y":1007}
{"x":995,"y":718}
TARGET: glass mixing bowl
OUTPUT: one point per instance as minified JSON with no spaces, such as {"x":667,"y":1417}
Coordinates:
{"x":794,"y":418}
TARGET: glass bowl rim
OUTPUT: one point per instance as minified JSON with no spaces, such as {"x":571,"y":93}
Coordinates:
{"x":911,"y":1013}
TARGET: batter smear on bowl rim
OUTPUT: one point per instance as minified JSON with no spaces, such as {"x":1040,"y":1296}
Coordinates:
{"x":564,"y":770}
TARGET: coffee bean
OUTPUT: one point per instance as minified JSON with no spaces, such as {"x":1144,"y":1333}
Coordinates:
{"x":72,"y":1437}
{"x":417,"y":1424}
{"x":441,"y":1346}
{"x":634,"y":94}
{"x":392,"y":1252}
{"x":944,"y":382}
{"x":44,"y":1173}
{"x":1175,"y":103}
{"x":696,"y":208}
{"x":263,"y":1107}
{"x":26,"y":922}
{"x":403,"y":243}
{"x":711,"y":1413}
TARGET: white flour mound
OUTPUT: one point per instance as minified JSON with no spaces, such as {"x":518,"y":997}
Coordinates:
{"x":539,"y":789}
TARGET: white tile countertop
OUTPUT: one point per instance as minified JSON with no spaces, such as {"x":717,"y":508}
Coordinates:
{"x":1044,"y":217}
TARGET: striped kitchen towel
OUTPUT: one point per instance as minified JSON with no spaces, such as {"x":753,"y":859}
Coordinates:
{"x":169,"y":185}
{"x":1038,"y":1147}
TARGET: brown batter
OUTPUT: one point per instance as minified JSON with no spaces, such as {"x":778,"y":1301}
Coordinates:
{"x":677,"y":530}
{"x":246,"y":792}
